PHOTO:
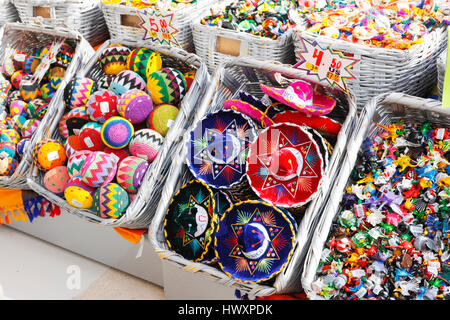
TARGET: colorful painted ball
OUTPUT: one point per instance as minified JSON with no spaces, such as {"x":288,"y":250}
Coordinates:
{"x":99,"y":168}
{"x":64,"y":56}
{"x":167,"y":86}
{"x":135,"y":105}
{"x":31,"y":65}
{"x":17,"y":78}
{"x":35,"y":106}
{"x":144,"y":61}
{"x":57,"y":179}
{"x":9,"y":135}
{"x":48,"y":154}
{"x":76,"y":161}
{"x":23,"y":145}
{"x":127,"y":80}
{"x":162,"y":118}
{"x":78,"y":91}
{"x":113,"y":59}
{"x":29,"y":127}
{"x":19,"y":58}
{"x":17,"y":122}
{"x":55,"y":81}
{"x":120,"y":153}
{"x":131,"y":172}
{"x":62,"y":126}
{"x":17,"y":107}
{"x":110,"y":201}
{"x":8,"y":68}
{"x":102,"y":105}
{"x":145,"y":144}
{"x":29,"y":90}
{"x":72,"y":145}
{"x":14,"y":96}
{"x":78,"y":194}
{"x":76,"y":119}
{"x":189,"y":77}
{"x":7,"y":149}
{"x":47,"y":92}
{"x":90,"y":137}
{"x":8,"y":166}
{"x":117,"y":132}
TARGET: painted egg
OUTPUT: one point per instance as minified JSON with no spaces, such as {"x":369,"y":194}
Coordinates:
{"x":113,"y":60}
{"x":127,"y":80}
{"x":31,"y":64}
{"x":17,"y":122}
{"x":117,"y":132}
{"x":29,"y":127}
{"x":64,"y":56}
{"x":55,"y":81}
{"x":29,"y":91}
{"x":56,"y":180}
{"x":76,"y":161}
{"x":7,"y":149}
{"x":17,"y":107}
{"x":131,"y":172}
{"x":34,"y":106}
{"x":8,"y":68}
{"x":167,"y":86}
{"x":48,"y":154}
{"x":135,"y":105}
{"x":90,"y":137}
{"x":72,"y":145}
{"x":78,"y":194}
{"x":162,"y":118}
{"x":78,"y":91}
{"x":102,"y":105}
{"x":110,"y":201}
{"x":145,"y":144}
{"x":17,"y":78}
{"x":9,"y":135}
{"x":144,"y":61}
{"x":99,"y":168}
{"x":47,"y":92}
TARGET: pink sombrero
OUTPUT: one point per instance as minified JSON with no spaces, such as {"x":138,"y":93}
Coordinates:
{"x":246,"y":108}
{"x":301,"y":96}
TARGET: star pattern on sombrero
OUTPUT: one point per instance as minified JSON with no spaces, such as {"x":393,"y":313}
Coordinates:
{"x":188,"y":238}
{"x":292,"y":185}
{"x":263,"y":262}
{"x":224,"y":160}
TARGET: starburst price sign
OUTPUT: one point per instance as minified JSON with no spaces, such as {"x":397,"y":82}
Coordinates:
{"x":158,"y":27}
{"x":327,"y":65}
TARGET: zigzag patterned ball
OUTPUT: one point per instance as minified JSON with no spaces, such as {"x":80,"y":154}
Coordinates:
{"x":72,"y":145}
{"x":99,"y":168}
{"x":91,"y":138}
{"x":130,"y":173}
{"x":127,"y":80}
{"x":78,"y":194}
{"x":7,"y":166}
{"x":167,"y":86}
{"x":114,"y":59}
{"x":76,"y":161}
{"x":144,"y":61}
{"x":29,"y":127}
{"x":135,"y":105}
{"x":78,"y":91}
{"x":102,"y":105}
{"x":145,"y":144}
{"x":62,"y":126}
{"x":47,"y":92}
{"x":110,"y":201}
{"x":29,"y":91}
{"x":117,"y":132}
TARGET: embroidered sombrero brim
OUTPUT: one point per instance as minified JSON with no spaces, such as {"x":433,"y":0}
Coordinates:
{"x":324,"y":125}
{"x":276,"y":253}
{"x":246,"y":108}
{"x":190,"y":221}
{"x":299,"y":187}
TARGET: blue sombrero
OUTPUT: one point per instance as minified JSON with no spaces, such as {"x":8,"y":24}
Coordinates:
{"x":217,"y":148}
{"x":254,"y":241}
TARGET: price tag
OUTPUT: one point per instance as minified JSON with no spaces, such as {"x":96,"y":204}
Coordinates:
{"x":327,"y":65}
{"x":158,"y":27}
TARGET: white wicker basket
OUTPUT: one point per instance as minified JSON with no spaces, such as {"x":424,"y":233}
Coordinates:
{"x":217,"y":45}
{"x":27,"y":38}
{"x":441,"y":65}
{"x":8,"y":13}
{"x":118,"y":15}
{"x":382,"y":109}
{"x":141,"y":210}
{"x":82,"y":15}
{"x":228,"y":80}
{"x":380,"y":70}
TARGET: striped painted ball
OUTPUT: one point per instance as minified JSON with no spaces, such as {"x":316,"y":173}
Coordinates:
{"x":145,"y":144}
{"x":167,"y":86}
{"x":117,"y":132}
{"x":135,"y":105}
{"x":76,"y":161}
{"x":99,"y":168}
{"x":131,"y":172}
{"x":110,"y":201}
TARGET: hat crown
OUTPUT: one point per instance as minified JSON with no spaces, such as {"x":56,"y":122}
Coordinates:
{"x":194,"y":220}
{"x":223,"y":148}
{"x":286,"y":163}
{"x":254,"y":240}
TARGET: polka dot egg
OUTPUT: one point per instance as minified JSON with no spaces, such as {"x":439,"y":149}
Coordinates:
{"x":56,"y":179}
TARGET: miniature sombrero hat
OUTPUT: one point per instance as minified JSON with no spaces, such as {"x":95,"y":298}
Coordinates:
{"x":254,"y":241}
{"x":285,"y":166}
{"x":190,"y":221}
{"x":217,"y":148}
{"x":248,"y":109}
{"x":301,"y":96}
{"x":324,"y":125}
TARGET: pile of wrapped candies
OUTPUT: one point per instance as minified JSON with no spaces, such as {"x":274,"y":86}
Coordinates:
{"x":252,"y":161}
{"x":390,"y":241}
{"x":375,"y":23}
{"x":24,"y":103}
{"x":170,"y":5}
{"x":113,"y":130}
{"x":265,"y":18}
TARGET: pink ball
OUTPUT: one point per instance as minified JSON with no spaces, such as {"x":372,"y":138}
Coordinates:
{"x":56,"y":179}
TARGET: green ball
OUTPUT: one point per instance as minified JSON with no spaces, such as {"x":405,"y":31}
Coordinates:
{"x":110,"y":201}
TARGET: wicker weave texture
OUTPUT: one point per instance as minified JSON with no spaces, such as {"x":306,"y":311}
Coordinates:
{"x":228,"y":80}
{"x":8,"y":12}
{"x":441,"y":64}
{"x":140,"y":212}
{"x":380,"y":70}
{"x":383,"y":109}
{"x":28,"y":38}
